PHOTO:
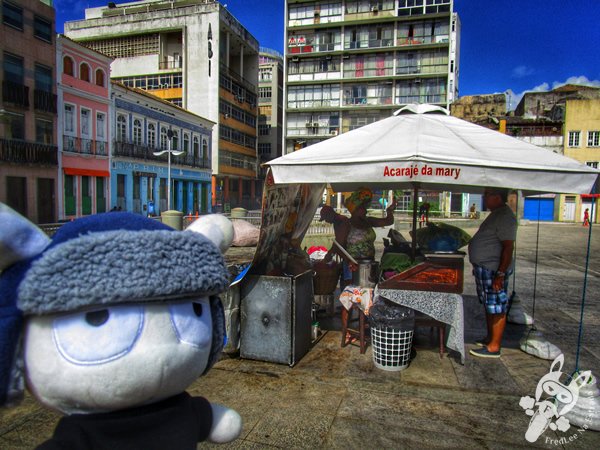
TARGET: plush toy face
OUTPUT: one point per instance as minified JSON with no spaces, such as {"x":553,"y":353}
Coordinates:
{"x":116,"y":357}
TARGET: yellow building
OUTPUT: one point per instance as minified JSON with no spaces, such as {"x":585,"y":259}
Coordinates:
{"x":581,"y":142}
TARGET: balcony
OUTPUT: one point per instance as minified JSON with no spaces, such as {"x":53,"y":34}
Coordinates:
{"x":238,"y":78}
{"x":372,"y":43}
{"x":44,"y":101}
{"x":144,"y":152}
{"x":84,"y":146}
{"x":15,"y":93}
{"x":170,"y":65}
{"x":24,"y":152}
{"x":422,"y":40}
{"x":368,"y":101}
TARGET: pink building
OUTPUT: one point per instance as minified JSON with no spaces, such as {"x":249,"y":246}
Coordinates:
{"x":83,"y":129}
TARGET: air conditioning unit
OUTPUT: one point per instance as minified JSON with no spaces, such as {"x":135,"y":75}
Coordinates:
{"x":309,"y":124}
{"x":315,"y":124}
{"x":374,"y":8}
{"x":334,"y":132}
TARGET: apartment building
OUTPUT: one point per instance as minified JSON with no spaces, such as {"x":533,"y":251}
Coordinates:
{"x":156,"y":141}
{"x":353,"y":62}
{"x":84,"y":112}
{"x":28,"y":152}
{"x":196,"y":55}
{"x":581,"y":142}
{"x":540,"y":118}
{"x":550,"y":105}
{"x":270,"y":106}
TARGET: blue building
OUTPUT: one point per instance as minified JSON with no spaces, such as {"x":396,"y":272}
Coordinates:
{"x":144,"y":125}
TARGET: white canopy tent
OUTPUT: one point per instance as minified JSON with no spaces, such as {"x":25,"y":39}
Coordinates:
{"x":422,"y":145}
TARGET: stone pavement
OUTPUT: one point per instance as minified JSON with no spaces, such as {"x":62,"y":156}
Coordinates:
{"x":335,"y":397}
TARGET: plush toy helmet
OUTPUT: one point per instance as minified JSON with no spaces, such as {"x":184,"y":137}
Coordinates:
{"x":110,"y":259}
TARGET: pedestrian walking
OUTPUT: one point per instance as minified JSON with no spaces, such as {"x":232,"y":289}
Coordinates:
{"x":586,"y":217}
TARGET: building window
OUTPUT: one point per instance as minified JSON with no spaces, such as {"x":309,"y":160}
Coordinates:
{"x":85,"y":122}
{"x":84,"y":72}
{"x":43,"y":78}
{"x":593,"y":164}
{"x":264,"y":92}
{"x":99,"y":77}
{"x":196,"y":147}
{"x":593,"y":139}
{"x":121,"y":128}
{"x":204,"y":149}
{"x":127,"y":46}
{"x":42,"y":29}
{"x":68,"y":66}
{"x":69,"y":119}
{"x":137,"y":131}
{"x":151,"y":135}
{"x":100,"y":126}
{"x":12,"y":15}
{"x":163,"y":138}
{"x":175,"y":141}
{"x":264,"y":149}
{"x":574,"y":138}
{"x":186,"y":142}
{"x":13,"y":68}
{"x":44,"y":130}
{"x":311,"y":96}
{"x":16,"y":126}
{"x":264,"y":130}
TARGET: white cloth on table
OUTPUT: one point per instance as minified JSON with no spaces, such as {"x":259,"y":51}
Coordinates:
{"x":441,"y":306}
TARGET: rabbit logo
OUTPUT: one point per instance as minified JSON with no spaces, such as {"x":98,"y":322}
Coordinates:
{"x":553,"y":400}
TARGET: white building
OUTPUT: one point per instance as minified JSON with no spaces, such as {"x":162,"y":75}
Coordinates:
{"x":353,"y":62}
{"x":270,"y":106}
{"x":195,"y":54}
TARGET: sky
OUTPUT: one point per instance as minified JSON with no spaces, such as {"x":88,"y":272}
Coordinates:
{"x":505,"y":45}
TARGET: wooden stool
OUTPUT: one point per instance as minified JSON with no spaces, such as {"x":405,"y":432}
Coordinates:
{"x":350,"y":335}
{"x":422,"y":320}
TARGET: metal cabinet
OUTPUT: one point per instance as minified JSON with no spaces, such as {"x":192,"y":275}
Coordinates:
{"x":276,"y":317}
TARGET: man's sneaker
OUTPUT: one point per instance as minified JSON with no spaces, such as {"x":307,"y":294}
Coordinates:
{"x":483,"y":352}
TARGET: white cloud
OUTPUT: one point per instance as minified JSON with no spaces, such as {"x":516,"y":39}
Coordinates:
{"x":514,"y":99}
{"x":581,"y":79}
{"x":521,"y":71}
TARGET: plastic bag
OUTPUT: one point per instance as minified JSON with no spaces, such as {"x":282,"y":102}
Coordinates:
{"x":244,"y":233}
{"x":441,"y":237}
{"x":398,"y":262}
{"x":387,"y":314}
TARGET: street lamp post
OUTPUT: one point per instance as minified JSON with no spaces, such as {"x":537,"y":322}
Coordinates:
{"x":168,"y":152}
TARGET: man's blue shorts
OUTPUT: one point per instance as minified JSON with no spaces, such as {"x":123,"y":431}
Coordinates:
{"x":495,"y":302}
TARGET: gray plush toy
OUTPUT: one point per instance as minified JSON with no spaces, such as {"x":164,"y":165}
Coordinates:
{"x":110,"y":322}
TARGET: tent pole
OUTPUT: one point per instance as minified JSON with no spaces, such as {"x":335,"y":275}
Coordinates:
{"x":414,"y":222}
{"x":585,"y":279}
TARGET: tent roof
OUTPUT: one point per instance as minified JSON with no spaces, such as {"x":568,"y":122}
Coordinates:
{"x":423,"y":145}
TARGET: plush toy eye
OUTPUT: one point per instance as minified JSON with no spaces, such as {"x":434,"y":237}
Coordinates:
{"x":192,"y":322}
{"x":97,"y":318}
{"x":96,"y":337}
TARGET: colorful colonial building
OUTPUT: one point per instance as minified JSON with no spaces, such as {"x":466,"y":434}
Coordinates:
{"x":83,"y":129}
{"x":145,"y":125}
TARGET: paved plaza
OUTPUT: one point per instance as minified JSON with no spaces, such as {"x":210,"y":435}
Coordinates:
{"x":336,"y":398}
